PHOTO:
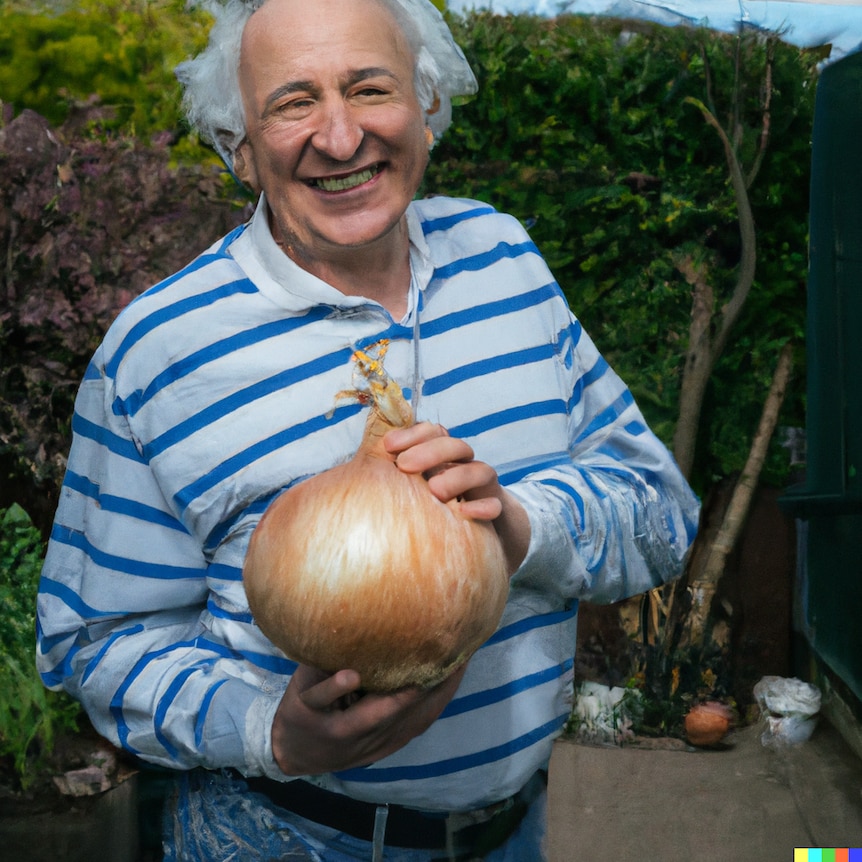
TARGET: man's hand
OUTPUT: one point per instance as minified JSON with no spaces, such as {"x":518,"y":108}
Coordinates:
{"x":326,"y":723}
{"x":452,"y":473}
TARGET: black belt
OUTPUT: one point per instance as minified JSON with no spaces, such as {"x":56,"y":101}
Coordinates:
{"x":405,"y":827}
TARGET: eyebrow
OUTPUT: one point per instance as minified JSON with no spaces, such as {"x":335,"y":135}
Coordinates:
{"x":304,"y":86}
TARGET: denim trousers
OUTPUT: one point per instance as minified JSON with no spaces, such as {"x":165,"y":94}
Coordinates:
{"x":214,"y":817}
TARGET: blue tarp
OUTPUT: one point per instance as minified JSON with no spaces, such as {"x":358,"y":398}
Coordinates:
{"x":806,"y":23}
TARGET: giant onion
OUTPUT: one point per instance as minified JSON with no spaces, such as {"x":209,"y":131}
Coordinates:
{"x":362,"y":567}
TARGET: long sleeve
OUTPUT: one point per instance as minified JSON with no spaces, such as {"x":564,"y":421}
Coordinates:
{"x":615,"y":517}
{"x":120,"y":610}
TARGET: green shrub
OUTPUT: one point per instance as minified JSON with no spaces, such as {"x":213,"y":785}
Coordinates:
{"x":56,"y":56}
{"x":30,"y":716}
{"x":581,"y":129}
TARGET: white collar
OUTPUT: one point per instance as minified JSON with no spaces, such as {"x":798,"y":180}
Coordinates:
{"x":290,"y":286}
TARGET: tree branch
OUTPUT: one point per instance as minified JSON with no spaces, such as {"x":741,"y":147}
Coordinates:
{"x":702,"y":587}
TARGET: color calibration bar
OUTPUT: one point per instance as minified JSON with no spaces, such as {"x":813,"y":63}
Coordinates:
{"x":836,"y":854}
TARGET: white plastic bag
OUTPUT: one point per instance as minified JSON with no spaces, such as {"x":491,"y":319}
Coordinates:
{"x":790,"y":708}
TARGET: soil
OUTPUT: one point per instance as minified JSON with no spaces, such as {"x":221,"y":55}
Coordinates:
{"x":81,"y":804}
{"x":72,"y":751}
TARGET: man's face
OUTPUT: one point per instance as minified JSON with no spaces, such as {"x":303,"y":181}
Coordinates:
{"x":336,"y":136}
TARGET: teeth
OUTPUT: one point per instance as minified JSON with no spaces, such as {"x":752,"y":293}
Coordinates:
{"x":339,"y":184}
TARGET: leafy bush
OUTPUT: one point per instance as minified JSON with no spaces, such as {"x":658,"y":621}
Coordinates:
{"x":30,"y":716}
{"x":581,"y":128}
{"x":54,"y":56}
{"x":86,"y":225}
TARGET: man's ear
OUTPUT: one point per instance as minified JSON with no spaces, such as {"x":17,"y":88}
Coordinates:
{"x":243,"y":166}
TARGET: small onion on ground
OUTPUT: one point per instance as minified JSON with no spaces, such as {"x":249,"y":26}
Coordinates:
{"x":706,"y":724}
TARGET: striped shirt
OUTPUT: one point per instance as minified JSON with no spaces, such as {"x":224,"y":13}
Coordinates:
{"x":214,"y":390}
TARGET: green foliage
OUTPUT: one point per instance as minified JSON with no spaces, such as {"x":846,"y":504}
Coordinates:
{"x":30,"y":716}
{"x":582,"y":130}
{"x":56,"y":57}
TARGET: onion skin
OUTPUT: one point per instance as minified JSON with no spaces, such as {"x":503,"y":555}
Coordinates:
{"x":362,"y":567}
{"x":706,"y":724}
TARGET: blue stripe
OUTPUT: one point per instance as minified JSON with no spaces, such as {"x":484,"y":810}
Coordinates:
{"x":448,"y":221}
{"x":541,"y":621}
{"x":395,"y":332}
{"x":46,"y":644}
{"x":121,"y":505}
{"x":94,"y":662}
{"x":173,"y":312}
{"x":203,"y":712}
{"x":237,"y":400}
{"x":591,"y":376}
{"x":220,"y":613}
{"x":509,"y":417}
{"x":613,"y":529}
{"x":481,"y":699}
{"x":607,"y":416}
{"x":71,"y":599}
{"x":138,"y":568}
{"x":222,"y":572}
{"x":488,"y":310}
{"x":116,"y":705}
{"x":228,"y":239}
{"x":212,"y":352}
{"x":221,"y":530}
{"x":509,"y":474}
{"x":654,"y":482}
{"x":487,"y":366}
{"x":635,"y":428}
{"x":473,"y":263}
{"x":377,"y":775}
{"x":57,"y":675}
{"x":572,"y":494}
{"x":166,"y":701}
{"x":241,"y":460}
{"x":202,"y":261}
{"x":116,"y":444}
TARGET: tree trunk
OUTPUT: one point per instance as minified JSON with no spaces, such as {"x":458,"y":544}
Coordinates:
{"x":703,"y":585}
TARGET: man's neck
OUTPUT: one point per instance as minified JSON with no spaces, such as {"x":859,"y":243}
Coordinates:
{"x":379,"y":272}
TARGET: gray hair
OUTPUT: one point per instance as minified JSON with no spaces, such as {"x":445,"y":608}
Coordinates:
{"x":212,"y":100}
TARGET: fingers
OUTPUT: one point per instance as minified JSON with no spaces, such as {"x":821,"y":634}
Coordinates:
{"x":325,"y":723}
{"x":474,"y":484}
{"x":447,"y":462}
{"x":319,"y":691}
{"x":483,"y":509}
{"x":424,"y":447}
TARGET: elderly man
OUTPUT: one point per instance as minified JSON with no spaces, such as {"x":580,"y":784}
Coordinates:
{"x":213,"y":392}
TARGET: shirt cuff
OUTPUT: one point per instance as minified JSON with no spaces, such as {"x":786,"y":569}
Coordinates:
{"x":552,"y":564}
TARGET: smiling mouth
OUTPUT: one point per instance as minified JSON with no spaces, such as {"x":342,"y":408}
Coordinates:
{"x":351,"y":181}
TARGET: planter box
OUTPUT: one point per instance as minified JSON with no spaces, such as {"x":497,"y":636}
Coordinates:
{"x":101,"y":828}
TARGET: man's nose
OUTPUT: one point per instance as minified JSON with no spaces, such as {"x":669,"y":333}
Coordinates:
{"x":339,"y":133}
